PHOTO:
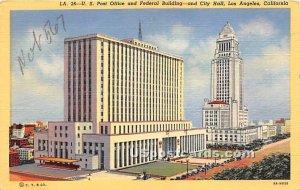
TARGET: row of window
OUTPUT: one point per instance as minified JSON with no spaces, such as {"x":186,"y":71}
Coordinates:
{"x":129,"y":129}
{"x":128,"y":64}
{"x":83,"y":114}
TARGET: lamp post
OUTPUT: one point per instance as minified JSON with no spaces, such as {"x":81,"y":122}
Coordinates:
{"x":187,"y":167}
{"x":215,"y":155}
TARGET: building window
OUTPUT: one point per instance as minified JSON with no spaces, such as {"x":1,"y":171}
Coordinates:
{"x":78,"y":135}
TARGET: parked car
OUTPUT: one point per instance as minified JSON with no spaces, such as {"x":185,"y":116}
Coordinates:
{"x":140,"y":176}
{"x":146,"y":176}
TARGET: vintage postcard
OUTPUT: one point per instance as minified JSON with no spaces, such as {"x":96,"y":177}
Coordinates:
{"x":150,"y":94}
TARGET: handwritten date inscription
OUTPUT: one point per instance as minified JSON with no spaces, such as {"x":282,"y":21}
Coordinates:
{"x":49,"y":30}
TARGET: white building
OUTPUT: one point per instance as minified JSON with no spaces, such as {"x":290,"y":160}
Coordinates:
{"x":225,"y":116}
{"x":122,"y":98}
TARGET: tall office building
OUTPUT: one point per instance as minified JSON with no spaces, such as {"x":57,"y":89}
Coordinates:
{"x":226,"y":110}
{"x":122,"y":98}
{"x":109,"y":80}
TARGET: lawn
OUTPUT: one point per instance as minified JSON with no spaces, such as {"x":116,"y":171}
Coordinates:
{"x":166,"y":169}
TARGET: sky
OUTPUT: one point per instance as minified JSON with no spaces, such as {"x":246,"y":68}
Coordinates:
{"x":264,"y":36}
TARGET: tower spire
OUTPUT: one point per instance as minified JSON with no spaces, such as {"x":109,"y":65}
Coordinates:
{"x":140,"y":31}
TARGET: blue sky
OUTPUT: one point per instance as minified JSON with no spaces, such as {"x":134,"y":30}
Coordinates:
{"x":264,"y":44}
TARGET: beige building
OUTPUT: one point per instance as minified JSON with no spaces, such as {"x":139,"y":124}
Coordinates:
{"x":242,"y":136}
{"x":123,"y":106}
{"x":111,"y":80}
{"x":287,"y":127}
{"x":267,"y":131}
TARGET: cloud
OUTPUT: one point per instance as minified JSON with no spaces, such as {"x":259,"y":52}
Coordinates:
{"x":175,"y":40}
{"x":197,"y":77}
{"x":53,"y":68}
{"x":273,"y":61}
{"x":38,"y":94}
{"x":258,"y":28}
{"x":202,"y":52}
{"x":181,"y":30}
{"x":267,"y":81}
{"x":34,"y":98}
{"x":198,"y":61}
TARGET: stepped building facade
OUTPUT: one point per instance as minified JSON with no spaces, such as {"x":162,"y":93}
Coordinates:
{"x":123,"y":106}
{"x":225,"y":115}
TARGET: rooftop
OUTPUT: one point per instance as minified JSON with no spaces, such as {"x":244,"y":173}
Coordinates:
{"x":217,"y":102}
{"x":130,"y":41}
{"x":227,"y":31}
{"x":281,"y":121}
{"x":52,"y":159}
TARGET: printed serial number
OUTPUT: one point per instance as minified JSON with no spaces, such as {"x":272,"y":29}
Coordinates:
{"x":281,"y":183}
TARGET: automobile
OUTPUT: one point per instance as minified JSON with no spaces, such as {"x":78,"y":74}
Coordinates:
{"x":177,"y":178}
{"x":183,"y":176}
{"x":194,"y":172}
{"x":140,"y":176}
{"x":189,"y":174}
{"x":146,"y":176}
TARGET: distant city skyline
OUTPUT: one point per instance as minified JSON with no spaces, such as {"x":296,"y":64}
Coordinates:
{"x":263,"y":35}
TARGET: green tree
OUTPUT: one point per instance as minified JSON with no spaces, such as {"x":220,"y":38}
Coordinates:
{"x":275,"y":166}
